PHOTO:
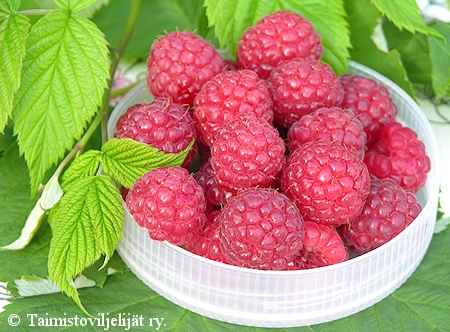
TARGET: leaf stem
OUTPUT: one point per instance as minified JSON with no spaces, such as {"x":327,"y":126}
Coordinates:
{"x":117,"y":52}
{"x":125,"y":89}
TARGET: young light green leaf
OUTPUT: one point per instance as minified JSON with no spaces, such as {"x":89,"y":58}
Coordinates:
{"x":64,"y":75}
{"x":405,"y":14}
{"x":74,"y":5}
{"x":13,"y":34}
{"x":83,"y":166}
{"x":51,"y":194}
{"x":126,"y":160}
{"x":86,"y":223}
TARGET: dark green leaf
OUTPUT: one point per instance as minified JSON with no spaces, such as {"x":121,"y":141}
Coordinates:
{"x":155,"y":18}
{"x":363,"y":18}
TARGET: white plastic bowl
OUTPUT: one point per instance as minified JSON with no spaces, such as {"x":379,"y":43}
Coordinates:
{"x":286,"y":298}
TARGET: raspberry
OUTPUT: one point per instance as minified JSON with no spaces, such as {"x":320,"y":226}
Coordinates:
{"x":388,"y":210}
{"x":261,"y":228}
{"x":329,"y":123}
{"x":247,"y":152}
{"x":214,"y":194}
{"x":322,"y":246}
{"x":208,"y":244}
{"x":163,"y":124}
{"x":400,"y":155}
{"x":300,"y":86}
{"x":370,"y":101}
{"x":326,"y":181}
{"x":277,"y":37}
{"x":169,"y":203}
{"x":178,"y":65}
{"x":227,"y":95}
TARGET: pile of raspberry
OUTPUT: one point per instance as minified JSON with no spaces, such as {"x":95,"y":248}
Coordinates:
{"x":293,"y":167}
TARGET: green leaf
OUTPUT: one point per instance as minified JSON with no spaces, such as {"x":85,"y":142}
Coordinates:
{"x":155,"y":18}
{"x":15,"y":202}
{"x":126,"y":160}
{"x":83,"y":166}
{"x":74,"y":5}
{"x":64,"y":75}
{"x":405,"y":14}
{"x":231,"y":18}
{"x":440,"y":60}
{"x":13,"y":34}
{"x":86,"y":223}
{"x":363,"y":18}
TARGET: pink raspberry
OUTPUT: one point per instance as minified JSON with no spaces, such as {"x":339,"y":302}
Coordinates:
{"x":277,"y":37}
{"x":169,"y":203}
{"x":322,"y":246}
{"x":208,"y":244}
{"x":227,"y":95}
{"x":300,"y":86}
{"x":326,"y":181}
{"x":370,"y":101}
{"x":248,"y":152}
{"x":332,"y":124}
{"x":178,"y":65}
{"x":163,"y":124}
{"x":214,"y":194}
{"x":388,"y":210}
{"x":400,"y":155}
{"x":261,"y":229}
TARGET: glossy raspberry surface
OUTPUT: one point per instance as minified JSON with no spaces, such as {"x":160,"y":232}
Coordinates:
{"x":261,"y":228}
{"x":399,"y":154}
{"x":279,"y":36}
{"x":163,"y":124}
{"x":226,"y":96}
{"x":322,"y":246}
{"x":178,"y":65}
{"x":169,"y":203}
{"x":326,"y":181}
{"x":247,"y":152}
{"x":300,"y":86}
{"x":332,"y":124}
{"x":370,"y":101}
{"x":388,"y":210}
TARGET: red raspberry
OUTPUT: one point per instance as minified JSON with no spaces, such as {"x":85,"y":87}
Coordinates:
{"x":208,"y":244}
{"x":332,"y":124}
{"x":388,"y":210}
{"x":169,"y":203}
{"x":370,"y":101}
{"x":163,"y":124}
{"x":279,"y":36}
{"x":261,"y":228}
{"x":178,"y":65}
{"x":214,"y":194}
{"x":400,"y":155}
{"x":322,"y":246}
{"x":227,"y":95}
{"x":248,"y":152}
{"x":326,"y":181}
{"x":300,"y":86}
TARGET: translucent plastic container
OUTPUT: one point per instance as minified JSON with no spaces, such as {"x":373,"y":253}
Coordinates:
{"x":286,"y":298}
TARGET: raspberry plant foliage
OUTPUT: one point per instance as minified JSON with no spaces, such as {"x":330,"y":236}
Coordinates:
{"x":48,"y":119}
